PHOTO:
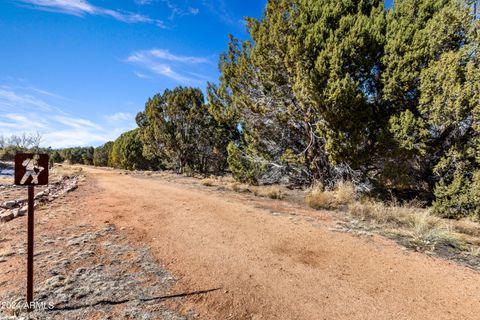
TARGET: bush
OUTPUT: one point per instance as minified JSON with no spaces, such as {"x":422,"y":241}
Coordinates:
{"x":458,"y":199}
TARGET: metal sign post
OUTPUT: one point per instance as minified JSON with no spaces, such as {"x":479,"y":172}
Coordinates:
{"x":31,"y":170}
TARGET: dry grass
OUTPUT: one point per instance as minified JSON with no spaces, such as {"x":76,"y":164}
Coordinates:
{"x":423,"y":230}
{"x":272,"y":192}
{"x":239,"y":187}
{"x":228,"y":182}
{"x":341,"y":196}
{"x":208,"y":182}
{"x":473,"y":251}
{"x":467,"y":227}
{"x":58,"y":172}
{"x":428,"y":231}
{"x":375,"y":211}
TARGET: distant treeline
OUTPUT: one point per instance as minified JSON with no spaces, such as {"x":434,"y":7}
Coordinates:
{"x":325,"y":91}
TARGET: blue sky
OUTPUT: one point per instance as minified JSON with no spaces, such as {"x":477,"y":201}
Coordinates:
{"x":78,"y":71}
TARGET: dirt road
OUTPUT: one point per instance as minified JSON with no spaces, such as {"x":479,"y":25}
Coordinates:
{"x":272,"y":259}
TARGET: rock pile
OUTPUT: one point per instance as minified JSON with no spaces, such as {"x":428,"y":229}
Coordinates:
{"x":12,"y":209}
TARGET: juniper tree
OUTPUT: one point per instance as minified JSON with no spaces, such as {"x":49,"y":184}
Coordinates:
{"x":432,"y":91}
{"x":178,"y":128}
{"x":305,"y":90}
{"x":127,"y":152}
{"x":101,"y":154}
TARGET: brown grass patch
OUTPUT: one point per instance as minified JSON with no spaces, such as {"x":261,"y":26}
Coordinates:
{"x":342,"y":195}
{"x":59,"y":171}
{"x":208,"y":182}
{"x":272,"y":192}
{"x":423,"y":230}
{"x":239,"y":187}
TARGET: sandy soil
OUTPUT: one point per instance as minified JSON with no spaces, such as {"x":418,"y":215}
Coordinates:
{"x":272,"y":259}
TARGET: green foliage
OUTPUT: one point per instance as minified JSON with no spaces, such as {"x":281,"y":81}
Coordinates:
{"x":336,"y":54}
{"x":392,"y":95}
{"x":78,"y":155}
{"x":432,"y":90}
{"x":127,"y":152}
{"x":8,"y":153}
{"x":459,"y":198}
{"x":307,"y":87}
{"x":242,"y":168}
{"x":56,"y":157}
{"x":101,"y":155}
{"x":179,"y":129}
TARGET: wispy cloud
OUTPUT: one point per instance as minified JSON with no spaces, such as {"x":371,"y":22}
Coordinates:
{"x":11,"y":100}
{"x":83,"y":7}
{"x":142,"y":75}
{"x":166,"y":55}
{"x":120,"y":116}
{"x":143,"y":2}
{"x":220,"y":9}
{"x":162,"y":62}
{"x":26,"y":109}
{"x":175,"y":9}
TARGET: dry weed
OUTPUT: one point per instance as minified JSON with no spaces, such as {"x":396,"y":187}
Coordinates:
{"x":272,"y":192}
{"x":239,"y":187}
{"x":208,"y":182}
{"x":342,"y":195}
{"x":428,"y":231}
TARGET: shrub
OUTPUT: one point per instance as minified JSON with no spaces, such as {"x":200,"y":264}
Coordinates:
{"x":458,"y":199}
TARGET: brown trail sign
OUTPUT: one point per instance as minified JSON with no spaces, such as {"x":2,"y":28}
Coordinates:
{"x":31,"y":170}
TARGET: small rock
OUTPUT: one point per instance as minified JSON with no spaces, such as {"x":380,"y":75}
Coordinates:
{"x":55,"y":281}
{"x":23,"y":211}
{"x":6,"y":216}
{"x":39,"y":195}
{"x":10,"y":204}
{"x":15,"y":213}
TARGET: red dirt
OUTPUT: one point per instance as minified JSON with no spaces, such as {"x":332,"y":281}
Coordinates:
{"x":272,"y":266}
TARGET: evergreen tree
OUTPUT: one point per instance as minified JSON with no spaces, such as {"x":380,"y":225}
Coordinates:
{"x":101,"y":155}
{"x":127,"y":152}
{"x":178,"y":128}
{"x":432,"y":92}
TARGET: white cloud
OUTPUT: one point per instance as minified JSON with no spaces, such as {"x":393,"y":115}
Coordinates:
{"x":72,"y":137}
{"x":143,"y":2}
{"x":193,"y":11}
{"x":10,"y":100}
{"x":175,"y":9}
{"x":162,"y":62}
{"x":76,"y":122}
{"x":163,"y":54}
{"x":83,"y":7}
{"x":166,"y":55}
{"x":120,"y":116}
{"x":142,"y":75}
{"x":28,"y":109}
{"x":220,"y":9}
